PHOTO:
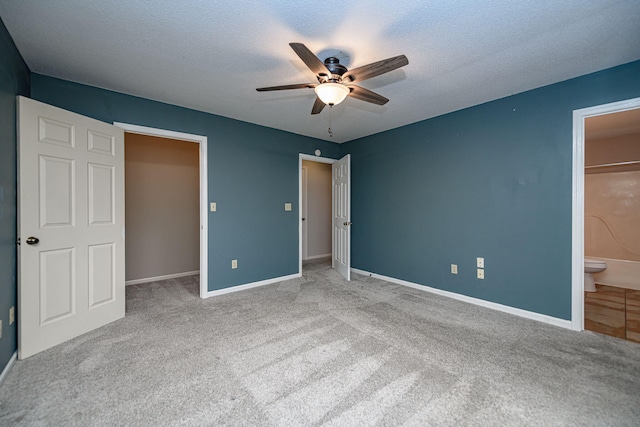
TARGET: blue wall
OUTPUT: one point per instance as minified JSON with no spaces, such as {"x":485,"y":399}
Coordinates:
{"x":493,"y":180}
{"x":253,"y":172}
{"x":490,"y":181}
{"x":14,"y":80}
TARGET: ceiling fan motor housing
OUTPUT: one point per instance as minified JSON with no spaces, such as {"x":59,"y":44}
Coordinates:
{"x":336,"y":68}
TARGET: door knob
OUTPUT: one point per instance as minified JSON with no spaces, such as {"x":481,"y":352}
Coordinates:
{"x":347,"y":223}
{"x":32,"y":240}
{"x":303,"y":219}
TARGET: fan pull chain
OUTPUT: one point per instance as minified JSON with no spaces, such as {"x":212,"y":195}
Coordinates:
{"x":330,"y":121}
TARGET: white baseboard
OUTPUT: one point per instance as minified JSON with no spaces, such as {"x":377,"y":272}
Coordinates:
{"x":7,"y":368}
{"x":317,"y":256}
{"x":250,"y":285}
{"x":476,"y":301}
{"x":165,"y":277}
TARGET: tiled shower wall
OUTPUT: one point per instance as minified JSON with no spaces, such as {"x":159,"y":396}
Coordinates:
{"x":612,"y":215}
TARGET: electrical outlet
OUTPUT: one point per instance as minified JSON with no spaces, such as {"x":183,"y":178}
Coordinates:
{"x":287,"y":207}
{"x":234,"y":263}
{"x":480,"y":262}
{"x":212,"y":206}
{"x":12,"y":315}
{"x":454,"y":269}
{"x":480,"y":273}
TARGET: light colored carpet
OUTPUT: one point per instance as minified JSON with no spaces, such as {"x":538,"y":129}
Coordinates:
{"x":322,"y":351}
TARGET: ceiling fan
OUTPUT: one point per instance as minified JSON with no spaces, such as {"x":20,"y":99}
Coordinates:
{"x":335,"y":81}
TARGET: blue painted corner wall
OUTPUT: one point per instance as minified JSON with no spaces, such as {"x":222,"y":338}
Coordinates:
{"x":14,"y":80}
{"x":492,"y":181}
{"x":253,"y":172}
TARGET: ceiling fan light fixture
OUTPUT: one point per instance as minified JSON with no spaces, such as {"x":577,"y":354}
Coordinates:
{"x":335,"y":81}
{"x":332,"y":93}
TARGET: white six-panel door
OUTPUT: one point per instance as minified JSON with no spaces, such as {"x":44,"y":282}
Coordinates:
{"x":71,"y":199}
{"x":342,"y":216}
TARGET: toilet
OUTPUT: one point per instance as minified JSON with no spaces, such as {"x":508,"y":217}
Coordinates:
{"x":592,"y":266}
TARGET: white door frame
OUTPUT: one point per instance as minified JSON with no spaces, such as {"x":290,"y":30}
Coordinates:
{"x":304,"y":209}
{"x":310,"y":158}
{"x":577,"y":243}
{"x":204,"y":211}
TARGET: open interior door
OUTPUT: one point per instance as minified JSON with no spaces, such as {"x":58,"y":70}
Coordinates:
{"x":71,"y":225}
{"x":341,"y":223}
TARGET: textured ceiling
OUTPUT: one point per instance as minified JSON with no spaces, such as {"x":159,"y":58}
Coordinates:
{"x":211,"y":55}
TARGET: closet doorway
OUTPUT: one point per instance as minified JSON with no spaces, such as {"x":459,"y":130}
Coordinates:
{"x":165,"y":205}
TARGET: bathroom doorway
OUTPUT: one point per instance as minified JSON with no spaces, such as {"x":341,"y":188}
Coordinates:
{"x":605,"y":126}
{"x":612,"y":224}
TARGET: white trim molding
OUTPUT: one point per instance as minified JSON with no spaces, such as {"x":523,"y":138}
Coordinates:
{"x":577,"y":190}
{"x":158,"y":278}
{"x":318,"y":159}
{"x":204,"y":195}
{"x":471,"y":300}
{"x":246,"y":286}
{"x":8,"y":367}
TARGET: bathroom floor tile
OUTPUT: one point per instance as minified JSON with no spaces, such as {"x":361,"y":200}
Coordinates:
{"x":604,"y":311}
{"x":633,"y":315}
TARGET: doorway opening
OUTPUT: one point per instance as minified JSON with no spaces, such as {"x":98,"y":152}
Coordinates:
{"x":164,"y":139}
{"x":315,"y":210}
{"x":315,"y":168}
{"x":612,"y":224}
{"x":578,"y":202}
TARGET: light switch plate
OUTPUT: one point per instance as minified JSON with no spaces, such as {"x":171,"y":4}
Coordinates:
{"x":454,"y":269}
{"x":212,"y":206}
{"x":480,"y":262}
{"x":287,"y":207}
{"x":234,"y":263}
{"x":480,"y":273}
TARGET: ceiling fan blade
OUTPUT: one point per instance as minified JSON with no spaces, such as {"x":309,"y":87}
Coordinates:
{"x":363,"y":94}
{"x":317,"y":106}
{"x":285,"y":87}
{"x":375,"y":69}
{"x":311,"y":61}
